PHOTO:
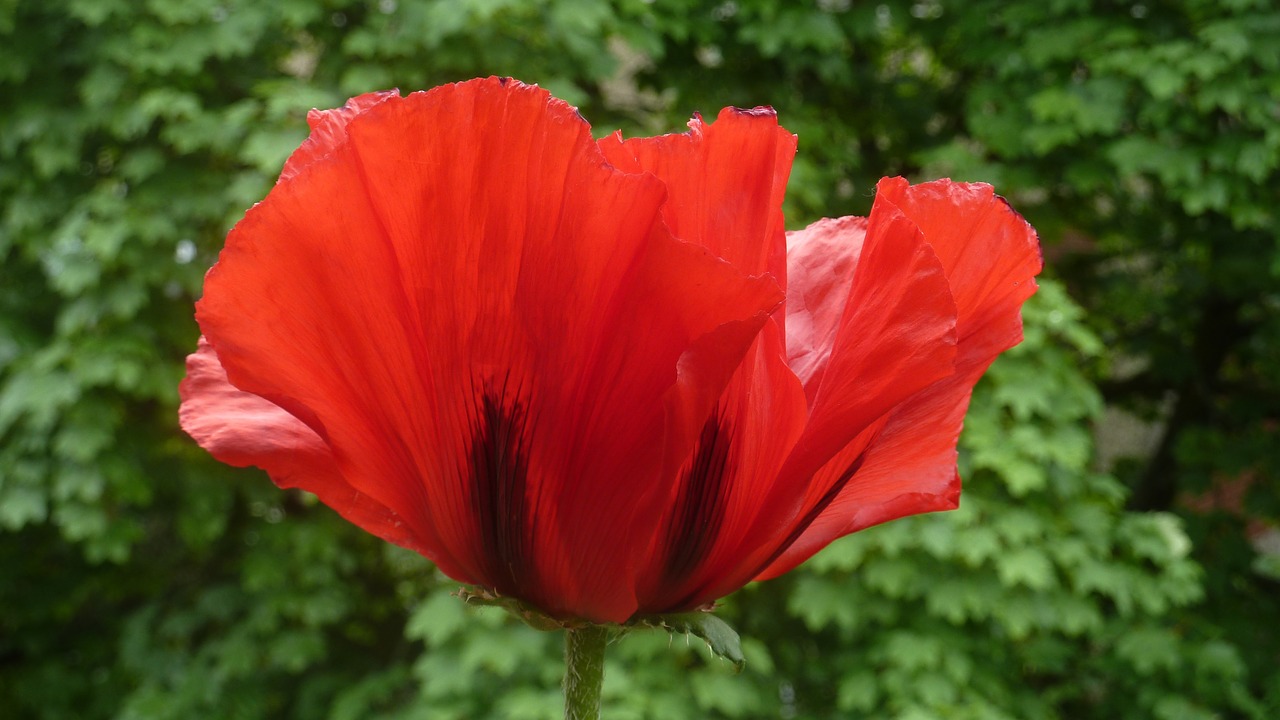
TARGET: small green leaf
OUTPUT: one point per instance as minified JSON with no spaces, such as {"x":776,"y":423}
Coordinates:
{"x":720,"y":637}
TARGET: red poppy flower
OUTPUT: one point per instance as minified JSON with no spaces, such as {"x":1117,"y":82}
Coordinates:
{"x":596,"y":376}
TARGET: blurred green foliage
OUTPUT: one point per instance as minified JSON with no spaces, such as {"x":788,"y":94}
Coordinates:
{"x":143,"y":580}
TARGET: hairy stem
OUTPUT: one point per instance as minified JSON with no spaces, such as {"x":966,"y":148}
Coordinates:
{"x":584,"y":671}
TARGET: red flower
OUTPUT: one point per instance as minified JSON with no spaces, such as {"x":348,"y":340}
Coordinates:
{"x":565,"y":370}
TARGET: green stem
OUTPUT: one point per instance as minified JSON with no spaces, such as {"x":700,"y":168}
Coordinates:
{"x":584,"y":671}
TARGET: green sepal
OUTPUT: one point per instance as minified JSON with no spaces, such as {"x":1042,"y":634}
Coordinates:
{"x":720,"y":637}
{"x":531,"y":616}
{"x":718,"y":634}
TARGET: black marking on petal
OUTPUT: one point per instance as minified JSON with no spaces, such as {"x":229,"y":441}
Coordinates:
{"x":497,"y":456}
{"x":827,"y":498}
{"x":700,"y":506}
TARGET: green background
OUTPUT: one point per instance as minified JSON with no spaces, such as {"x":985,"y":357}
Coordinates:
{"x":140,"y":579}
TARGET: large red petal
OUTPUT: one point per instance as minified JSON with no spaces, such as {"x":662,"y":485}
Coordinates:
{"x":329,"y":130}
{"x":895,"y":336}
{"x":241,"y":429}
{"x":734,"y":464}
{"x":493,"y":331}
{"x":990,"y":253}
{"x":823,"y":259}
{"x":725,"y":184}
{"x":991,"y":256}
{"x":304,"y":311}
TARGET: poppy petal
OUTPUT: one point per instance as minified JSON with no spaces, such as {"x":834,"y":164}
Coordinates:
{"x":329,"y":130}
{"x":304,"y":311}
{"x":451,"y":297}
{"x":241,"y":429}
{"x":991,"y":256}
{"x":725,"y":183}
{"x":823,"y":259}
{"x":740,"y":448}
{"x":895,"y":335}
